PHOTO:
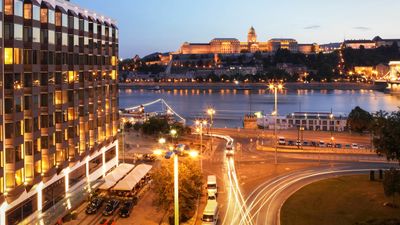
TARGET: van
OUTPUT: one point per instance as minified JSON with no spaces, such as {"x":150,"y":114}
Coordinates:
{"x":281,"y":141}
{"x":212,"y":188}
{"x":229,"y":148}
{"x":210,"y":214}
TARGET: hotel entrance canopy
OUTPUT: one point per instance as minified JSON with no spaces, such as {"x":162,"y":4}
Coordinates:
{"x":114,"y":176}
{"x":133,"y":178}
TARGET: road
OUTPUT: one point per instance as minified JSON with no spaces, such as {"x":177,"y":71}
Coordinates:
{"x":247,"y":197}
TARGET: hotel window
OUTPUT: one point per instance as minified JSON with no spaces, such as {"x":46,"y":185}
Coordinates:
{"x":28,"y":148}
{"x":8,"y":31}
{"x":8,"y":7}
{"x":59,"y":19}
{"x":18,"y":8}
{"x":44,"y":15}
{"x":86,"y":25}
{"x":27,"y":34}
{"x":28,"y":11}
{"x":18,"y":105}
{"x":36,"y":12}
{"x":51,"y":16}
{"x":18,"y":32}
{"x":28,"y":126}
{"x":36,"y":34}
{"x":64,"y":20}
{"x":76,"y":23}
{"x":8,"y":56}
{"x":51,"y":38}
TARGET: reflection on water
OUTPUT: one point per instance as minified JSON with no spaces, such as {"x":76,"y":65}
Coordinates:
{"x":231,"y":105}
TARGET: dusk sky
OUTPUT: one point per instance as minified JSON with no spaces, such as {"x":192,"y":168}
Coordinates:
{"x":148,"y":26}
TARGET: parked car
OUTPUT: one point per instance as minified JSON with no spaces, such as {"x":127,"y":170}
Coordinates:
{"x":314,"y":144}
{"x":126,"y":209}
{"x":111,"y":206}
{"x":321,"y":144}
{"x":338,"y":145}
{"x":298,"y":143}
{"x":94,"y":205}
{"x":291,"y":143}
{"x":347,"y":146}
{"x":329,"y":145}
{"x":305,"y":143}
{"x":361,"y":146}
{"x":354,"y":146}
{"x":281,"y":141}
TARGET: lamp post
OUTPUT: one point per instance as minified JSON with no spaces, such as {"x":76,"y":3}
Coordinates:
{"x":332,"y":128}
{"x":200,"y":125}
{"x":275,"y":87}
{"x":175,"y":154}
{"x":211,"y":112}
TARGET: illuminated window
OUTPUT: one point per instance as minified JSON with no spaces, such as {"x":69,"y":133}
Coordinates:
{"x":19,"y":177}
{"x":28,"y":11}
{"x":8,"y":56}
{"x":113,"y":60}
{"x":8,"y":7}
{"x":17,"y":56}
{"x":114,"y":74}
{"x":44,"y":15}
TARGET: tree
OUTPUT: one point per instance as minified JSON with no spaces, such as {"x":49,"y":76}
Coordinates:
{"x":391,"y":183}
{"x":359,"y":120}
{"x":386,"y":130}
{"x":190,"y":187}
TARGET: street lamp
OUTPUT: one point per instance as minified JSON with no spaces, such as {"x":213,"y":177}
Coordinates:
{"x":200,"y":125}
{"x":173,"y":134}
{"x":175,"y":155}
{"x":275,"y":87}
{"x":211,"y":113}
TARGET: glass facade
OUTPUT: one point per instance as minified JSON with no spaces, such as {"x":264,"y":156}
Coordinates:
{"x":56,"y":112}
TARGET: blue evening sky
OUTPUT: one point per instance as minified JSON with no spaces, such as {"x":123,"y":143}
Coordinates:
{"x":148,"y":26}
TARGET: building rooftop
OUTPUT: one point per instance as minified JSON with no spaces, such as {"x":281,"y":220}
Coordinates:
{"x":67,"y":5}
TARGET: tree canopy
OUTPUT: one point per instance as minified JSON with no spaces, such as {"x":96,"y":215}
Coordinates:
{"x":386,"y":130}
{"x":359,"y":120}
{"x":190,"y":187}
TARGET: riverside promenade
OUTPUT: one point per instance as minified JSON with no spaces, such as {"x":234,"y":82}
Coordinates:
{"x":244,"y":86}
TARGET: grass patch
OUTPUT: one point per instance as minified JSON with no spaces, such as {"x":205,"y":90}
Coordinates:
{"x":339,"y":201}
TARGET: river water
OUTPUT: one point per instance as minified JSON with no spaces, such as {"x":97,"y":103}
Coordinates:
{"x":232,"y":105}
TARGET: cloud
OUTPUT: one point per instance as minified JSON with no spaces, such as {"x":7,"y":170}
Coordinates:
{"x":312,"y":27}
{"x":362,"y":28}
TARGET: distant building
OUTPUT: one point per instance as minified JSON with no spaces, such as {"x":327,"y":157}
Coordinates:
{"x":283,"y":43}
{"x":307,"y":120}
{"x":385,"y":42}
{"x":292,"y":69}
{"x":357,"y":44}
{"x":233,"y":46}
{"x":309,"y":48}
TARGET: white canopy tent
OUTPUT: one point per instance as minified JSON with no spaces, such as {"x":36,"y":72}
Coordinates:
{"x":114,"y":176}
{"x":133,"y":178}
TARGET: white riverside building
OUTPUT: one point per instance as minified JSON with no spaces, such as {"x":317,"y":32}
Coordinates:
{"x":321,"y":121}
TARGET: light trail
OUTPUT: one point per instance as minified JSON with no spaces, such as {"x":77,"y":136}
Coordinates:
{"x":236,"y":202}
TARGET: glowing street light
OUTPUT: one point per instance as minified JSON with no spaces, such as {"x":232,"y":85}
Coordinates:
{"x":275,"y":87}
{"x":161,"y":141}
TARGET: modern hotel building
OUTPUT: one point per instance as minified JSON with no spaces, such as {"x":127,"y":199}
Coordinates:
{"x":59,"y":107}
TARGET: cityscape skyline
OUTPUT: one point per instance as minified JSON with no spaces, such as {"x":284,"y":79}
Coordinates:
{"x":309,"y":21}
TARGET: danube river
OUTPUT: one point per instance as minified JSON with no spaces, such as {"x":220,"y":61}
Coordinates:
{"x":232,"y":105}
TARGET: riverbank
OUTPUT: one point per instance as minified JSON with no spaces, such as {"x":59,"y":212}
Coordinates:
{"x":254,"y":86}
